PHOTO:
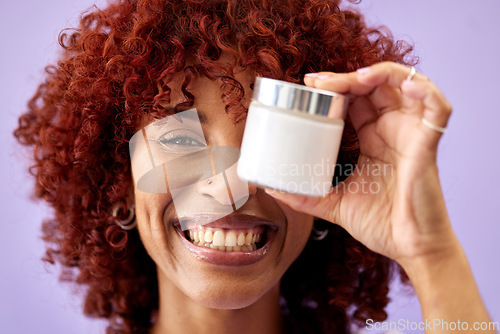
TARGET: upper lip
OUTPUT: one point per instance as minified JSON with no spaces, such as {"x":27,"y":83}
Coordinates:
{"x":231,"y":221}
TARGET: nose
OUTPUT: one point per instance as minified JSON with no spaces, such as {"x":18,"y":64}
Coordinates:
{"x":225,"y":186}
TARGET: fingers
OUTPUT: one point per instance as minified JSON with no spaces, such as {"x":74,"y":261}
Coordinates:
{"x":364,"y":80}
{"x":343,"y":83}
{"x":374,"y":81}
{"x":388,"y":89}
{"x":362,"y":113}
{"x":437,"y":109}
{"x":322,"y":207}
{"x":389,"y":73}
{"x":386,"y":98}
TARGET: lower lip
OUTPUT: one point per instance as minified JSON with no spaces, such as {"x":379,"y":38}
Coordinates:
{"x":218,"y":257}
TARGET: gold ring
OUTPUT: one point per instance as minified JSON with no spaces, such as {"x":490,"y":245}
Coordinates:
{"x":412,"y":73}
{"x":433,"y":126}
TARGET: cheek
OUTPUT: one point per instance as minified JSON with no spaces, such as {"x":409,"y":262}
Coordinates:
{"x":298,"y":231}
{"x":150,"y":209}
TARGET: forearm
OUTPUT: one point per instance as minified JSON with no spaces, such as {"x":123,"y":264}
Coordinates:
{"x":448,"y":293}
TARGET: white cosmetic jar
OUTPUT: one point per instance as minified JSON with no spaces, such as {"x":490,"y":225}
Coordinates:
{"x":292,"y":137}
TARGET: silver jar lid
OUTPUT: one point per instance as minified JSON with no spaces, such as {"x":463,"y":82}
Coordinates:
{"x":287,"y":95}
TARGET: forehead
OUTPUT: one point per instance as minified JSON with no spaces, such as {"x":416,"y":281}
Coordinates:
{"x":210,"y":94}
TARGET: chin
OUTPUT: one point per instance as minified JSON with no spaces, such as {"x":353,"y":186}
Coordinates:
{"x":232,"y":296}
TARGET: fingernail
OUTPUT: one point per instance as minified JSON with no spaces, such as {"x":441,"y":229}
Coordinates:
{"x":363,"y":70}
{"x":322,"y":76}
{"x":311,"y":75}
{"x":317,"y":76}
{"x":272,"y":193}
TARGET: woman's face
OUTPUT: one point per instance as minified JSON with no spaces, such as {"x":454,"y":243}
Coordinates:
{"x":264,"y":236}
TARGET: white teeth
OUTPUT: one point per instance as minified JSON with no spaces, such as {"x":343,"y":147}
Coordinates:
{"x":241,"y":239}
{"x":230,"y":239}
{"x":225,"y":240}
{"x":248,"y":239}
{"x":218,"y":239}
{"x":208,"y":235}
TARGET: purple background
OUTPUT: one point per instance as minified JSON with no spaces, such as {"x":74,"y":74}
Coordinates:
{"x":457,"y":42}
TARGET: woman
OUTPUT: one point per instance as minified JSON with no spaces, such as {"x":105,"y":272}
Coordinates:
{"x":137,"y":62}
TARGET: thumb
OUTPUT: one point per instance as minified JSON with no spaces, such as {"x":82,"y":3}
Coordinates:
{"x":326,"y":208}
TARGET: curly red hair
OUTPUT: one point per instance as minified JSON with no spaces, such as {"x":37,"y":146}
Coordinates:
{"x":115,"y":70}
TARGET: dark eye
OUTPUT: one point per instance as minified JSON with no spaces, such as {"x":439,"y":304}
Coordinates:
{"x":180,"y":141}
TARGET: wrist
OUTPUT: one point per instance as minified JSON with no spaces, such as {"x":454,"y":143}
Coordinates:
{"x":433,"y":264}
{"x":446,"y":288}
{"x":434,"y":272}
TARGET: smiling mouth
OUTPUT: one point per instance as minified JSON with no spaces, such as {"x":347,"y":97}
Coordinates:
{"x":234,"y":240}
{"x":228,"y":240}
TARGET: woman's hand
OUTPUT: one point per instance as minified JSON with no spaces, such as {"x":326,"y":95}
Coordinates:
{"x":393,"y":202}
